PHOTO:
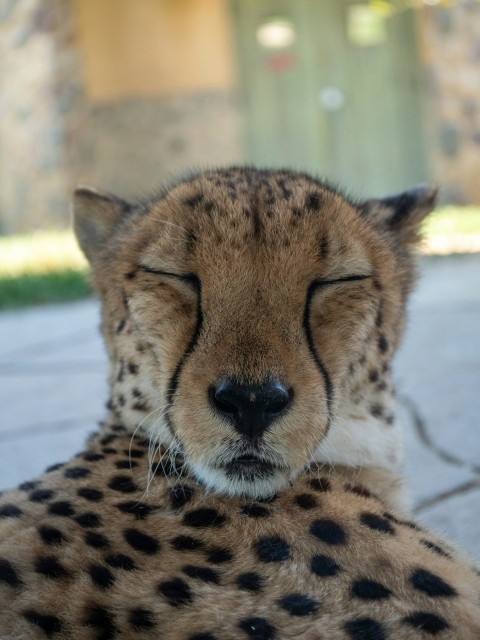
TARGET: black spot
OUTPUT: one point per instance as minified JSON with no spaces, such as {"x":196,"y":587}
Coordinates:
{"x":195,"y":200}
{"x":377,"y":523}
{"x":106,"y":440}
{"x":176,"y":591}
{"x":120,"y":376}
{"x":202,"y":573}
{"x":141,"y":619}
{"x":305,"y":501}
{"x":141,"y":541}
{"x":376,"y":410}
{"x":101,"y":576}
{"x":137,"y":509}
{"x":140,"y":406}
{"x":130,"y":275}
{"x":120,"y":326}
{"x":296,"y":604}
{"x":359,"y":490}
{"x":120,"y":561}
{"x":373,"y":375}
{"x":50,"y":567}
{"x":313,"y":202}
{"x":88,"y":520}
{"x":94,"y":495}
{"x":328,"y":531}
{"x":76,"y":472}
{"x":324,"y":247}
{"x":403,"y":523}
{"x":434,"y":547}
{"x":10,"y":511}
{"x":257,"y":629}
{"x":8,"y":575}
{"x":250,"y":581}
{"x":96,"y":540}
{"x":255,"y":511}
{"x":133,"y":369}
{"x":180,"y":496}
{"x":202,"y":636}
{"x":219,"y":555}
{"x":201,"y":518}
{"x":186,"y":543}
{"x":51,"y":535}
{"x":91,"y":456}
{"x":29,"y":486}
{"x":323,"y":566}
{"x":369,"y":590}
{"x":429,"y":622}
{"x":365,"y":629}
{"x":54,"y":467}
{"x":61,"y":508}
{"x":320,"y":484}
{"x":124,"y":484}
{"x":382,"y":344}
{"x":50,"y":625}
{"x":126,"y":464}
{"x":101,"y":619}
{"x":190,"y":240}
{"x":272,"y":549}
{"x":134,"y":453}
{"x":432,"y":585}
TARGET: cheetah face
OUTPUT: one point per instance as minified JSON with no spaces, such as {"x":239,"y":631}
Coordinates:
{"x":251,"y":294}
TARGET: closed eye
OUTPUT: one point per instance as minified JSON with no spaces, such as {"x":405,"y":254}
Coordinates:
{"x":189,"y":278}
{"x":320,"y":282}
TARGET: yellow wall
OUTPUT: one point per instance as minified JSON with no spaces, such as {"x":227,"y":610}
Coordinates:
{"x":153,"y":47}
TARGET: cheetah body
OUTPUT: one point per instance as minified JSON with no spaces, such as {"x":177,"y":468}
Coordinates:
{"x":87,"y":553}
{"x":174,"y":523}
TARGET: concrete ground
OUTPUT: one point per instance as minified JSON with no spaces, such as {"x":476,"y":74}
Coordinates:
{"x":53,"y":389}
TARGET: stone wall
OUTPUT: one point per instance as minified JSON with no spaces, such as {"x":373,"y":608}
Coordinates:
{"x":53,"y":138}
{"x":40,"y":94}
{"x":450,"y":42}
{"x":133,"y":146}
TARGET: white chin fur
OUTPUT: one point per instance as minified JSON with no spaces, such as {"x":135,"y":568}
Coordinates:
{"x":217,"y":481}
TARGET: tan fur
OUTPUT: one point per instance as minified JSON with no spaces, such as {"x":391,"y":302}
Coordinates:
{"x":256,"y":240}
{"x":122,"y":543}
{"x":92,"y":580}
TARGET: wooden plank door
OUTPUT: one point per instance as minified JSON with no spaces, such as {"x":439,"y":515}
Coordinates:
{"x":339,"y":97}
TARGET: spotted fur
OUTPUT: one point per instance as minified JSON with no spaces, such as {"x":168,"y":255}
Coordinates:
{"x":271,"y":274}
{"x":87,"y":553}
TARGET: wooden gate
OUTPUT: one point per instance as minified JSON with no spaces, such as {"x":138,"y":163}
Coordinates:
{"x":332,"y":86}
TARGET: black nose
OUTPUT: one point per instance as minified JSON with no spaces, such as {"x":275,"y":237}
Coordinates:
{"x":250,"y":408}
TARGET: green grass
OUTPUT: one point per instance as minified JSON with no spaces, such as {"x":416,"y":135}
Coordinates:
{"x":41,"y":288}
{"x":48,"y":267}
{"x":41,"y":268}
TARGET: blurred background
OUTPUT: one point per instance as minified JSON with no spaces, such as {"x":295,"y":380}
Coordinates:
{"x":123,"y":95}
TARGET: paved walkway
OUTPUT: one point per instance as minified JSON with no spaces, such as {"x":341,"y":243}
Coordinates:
{"x":53,"y":389}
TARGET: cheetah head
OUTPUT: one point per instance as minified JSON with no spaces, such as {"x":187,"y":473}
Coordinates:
{"x":243,"y":309}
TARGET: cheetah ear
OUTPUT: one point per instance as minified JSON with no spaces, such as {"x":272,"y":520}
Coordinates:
{"x":95,"y":216}
{"x":402,"y":213}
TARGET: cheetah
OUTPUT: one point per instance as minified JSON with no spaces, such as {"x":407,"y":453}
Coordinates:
{"x":245,"y":482}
